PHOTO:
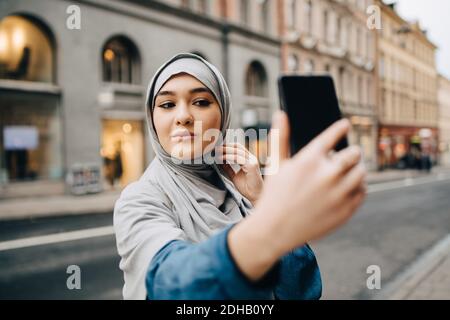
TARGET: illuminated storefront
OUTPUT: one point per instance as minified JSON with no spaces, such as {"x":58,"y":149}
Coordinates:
{"x":398,"y":145}
{"x":122,"y":151}
{"x":30,"y":125}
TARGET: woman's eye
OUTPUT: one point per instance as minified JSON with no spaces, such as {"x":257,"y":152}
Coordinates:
{"x":202,"y":103}
{"x":167,"y":105}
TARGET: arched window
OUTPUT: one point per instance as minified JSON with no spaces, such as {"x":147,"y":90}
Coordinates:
{"x":256,"y":80}
{"x":121,"y":62}
{"x":26,"y":50}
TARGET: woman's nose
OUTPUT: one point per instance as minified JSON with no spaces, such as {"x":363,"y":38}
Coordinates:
{"x":183,"y":116}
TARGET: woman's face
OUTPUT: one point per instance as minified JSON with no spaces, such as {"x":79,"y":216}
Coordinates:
{"x":182,"y":101}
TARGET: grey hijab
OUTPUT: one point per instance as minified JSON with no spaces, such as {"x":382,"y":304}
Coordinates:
{"x":172,"y":201}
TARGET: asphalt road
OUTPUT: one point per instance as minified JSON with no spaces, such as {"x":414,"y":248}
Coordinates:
{"x":398,"y":222}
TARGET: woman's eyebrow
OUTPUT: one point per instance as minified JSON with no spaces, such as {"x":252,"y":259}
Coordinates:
{"x":165,"y":93}
{"x":199,"y":90}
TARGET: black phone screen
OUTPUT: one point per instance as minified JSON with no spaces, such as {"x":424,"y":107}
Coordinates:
{"x":311,"y":105}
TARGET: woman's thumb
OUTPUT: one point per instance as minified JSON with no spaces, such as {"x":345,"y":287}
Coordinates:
{"x":279,"y":135}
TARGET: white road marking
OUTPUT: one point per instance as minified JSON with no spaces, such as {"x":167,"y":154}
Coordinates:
{"x":408,"y":182}
{"x":56,"y":238}
{"x":109,"y":230}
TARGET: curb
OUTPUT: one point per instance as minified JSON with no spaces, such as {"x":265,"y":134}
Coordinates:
{"x":407,"y":281}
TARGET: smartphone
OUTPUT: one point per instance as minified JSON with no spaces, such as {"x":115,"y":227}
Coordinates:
{"x":311,"y":104}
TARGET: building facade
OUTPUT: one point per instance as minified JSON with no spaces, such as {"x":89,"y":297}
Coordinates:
{"x":444,"y":120}
{"x":408,"y":111}
{"x":72,"y":99}
{"x":332,"y":37}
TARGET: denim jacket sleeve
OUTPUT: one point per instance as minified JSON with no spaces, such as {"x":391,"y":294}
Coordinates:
{"x":299,"y":276}
{"x":204,"y":271}
{"x":181,"y":270}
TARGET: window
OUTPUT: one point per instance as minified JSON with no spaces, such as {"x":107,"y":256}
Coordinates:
{"x":245,"y":12}
{"x":188,"y":4}
{"x":293,"y":63}
{"x":381,"y":66}
{"x":308,"y":16}
{"x":360,"y":90}
{"x":26,"y":50}
{"x":291,"y":14}
{"x":203,"y":6}
{"x":265,"y":15}
{"x":325,"y":26}
{"x":369,"y":53}
{"x":309,"y":66}
{"x":338,"y":31}
{"x":121,"y":61}
{"x":341,"y":81}
{"x":359,"y":41}
{"x":349,"y":36}
{"x":256,"y":80}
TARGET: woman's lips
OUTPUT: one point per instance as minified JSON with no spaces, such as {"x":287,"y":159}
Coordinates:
{"x":183,"y":136}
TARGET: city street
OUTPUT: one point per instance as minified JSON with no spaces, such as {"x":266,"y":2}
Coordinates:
{"x":399,"y":221}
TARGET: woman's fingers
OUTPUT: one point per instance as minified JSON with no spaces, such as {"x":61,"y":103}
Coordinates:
{"x":328,"y":139}
{"x":227,"y":149}
{"x":356,"y":200}
{"x":354,"y":180}
{"x":349,"y":207}
{"x":346,"y":159}
{"x":239,"y":150}
{"x":233,"y":158}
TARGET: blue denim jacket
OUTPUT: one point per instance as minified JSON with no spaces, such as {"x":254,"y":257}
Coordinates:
{"x":207,"y":271}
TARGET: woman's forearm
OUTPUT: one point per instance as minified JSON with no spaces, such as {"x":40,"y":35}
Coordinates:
{"x":254,"y":247}
{"x":205,"y":270}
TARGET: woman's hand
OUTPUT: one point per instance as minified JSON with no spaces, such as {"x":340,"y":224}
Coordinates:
{"x":248,"y":180}
{"x":312,"y":194}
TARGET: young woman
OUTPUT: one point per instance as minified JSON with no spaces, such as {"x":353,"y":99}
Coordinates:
{"x":201,"y":230}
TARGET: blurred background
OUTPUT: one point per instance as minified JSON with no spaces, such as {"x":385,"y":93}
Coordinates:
{"x":73,"y":77}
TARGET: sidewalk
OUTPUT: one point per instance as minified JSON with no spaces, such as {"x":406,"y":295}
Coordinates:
{"x":391,"y":174}
{"x":428,"y":278}
{"x":58,"y":205}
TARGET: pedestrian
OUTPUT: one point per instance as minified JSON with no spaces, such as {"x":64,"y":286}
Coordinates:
{"x":117,"y":161}
{"x":204,"y":231}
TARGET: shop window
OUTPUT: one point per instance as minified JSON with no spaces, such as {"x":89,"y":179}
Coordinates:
{"x":26,"y":50}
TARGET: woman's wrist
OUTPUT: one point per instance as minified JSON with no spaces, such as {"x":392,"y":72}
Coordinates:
{"x":252,"y":247}
{"x":254,"y":200}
